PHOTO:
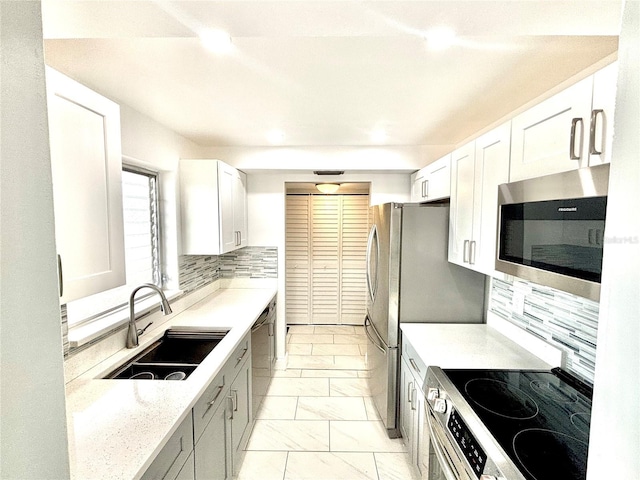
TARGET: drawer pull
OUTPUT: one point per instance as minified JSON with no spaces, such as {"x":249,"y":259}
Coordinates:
{"x":212,"y":402}
{"x":244,"y":352}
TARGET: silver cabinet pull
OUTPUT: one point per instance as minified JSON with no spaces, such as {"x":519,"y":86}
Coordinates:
{"x":472,"y":252}
{"x":572,"y":140}
{"x":413,"y":400}
{"x":213,"y":401}
{"x":244,"y":352}
{"x":465,"y":247}
{"x":60,"y":276}
{"x":410,"y":392}
{"x":414,"y":365}
{"x":592,"y":131}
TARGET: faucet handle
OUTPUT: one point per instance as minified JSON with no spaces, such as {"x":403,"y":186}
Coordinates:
{"x":141,"y":331}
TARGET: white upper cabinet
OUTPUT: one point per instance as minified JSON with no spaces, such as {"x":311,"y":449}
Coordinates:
{"x":602,"y":108}
{"x":550,"y":137}
{"x":432,"y":182}
{"x":477,"y":170}
{"x":560,"y":133}
{"x":461,"y":207}
{"x":86,"y":167}
{"x":492,"y":169}
{"x":213,"y":206}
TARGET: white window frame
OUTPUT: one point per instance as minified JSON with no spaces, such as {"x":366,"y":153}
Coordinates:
{"x":84,"y":328}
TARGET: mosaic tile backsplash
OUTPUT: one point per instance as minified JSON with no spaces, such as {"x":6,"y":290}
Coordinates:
{"x":564,"y":320}
{"x":198,"y":271}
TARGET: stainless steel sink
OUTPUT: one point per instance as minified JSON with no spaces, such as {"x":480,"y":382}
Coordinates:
{"x":173,"y":357}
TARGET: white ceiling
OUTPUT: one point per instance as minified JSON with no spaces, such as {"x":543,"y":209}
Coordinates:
{"x":326,"y":72}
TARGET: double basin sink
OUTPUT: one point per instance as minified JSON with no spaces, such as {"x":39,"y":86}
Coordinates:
{"x":173,"y":357}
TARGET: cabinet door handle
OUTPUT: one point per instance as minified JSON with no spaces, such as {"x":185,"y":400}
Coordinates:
{"x":412,"y":400}
{"x":592,"y":131}
{"x":410,"y":392}
{"x":572,"y":139}
{"x":472,"y":252}
{"x":60,"y":276}
{"x":414,"y":365}
{"x":465,"y":247}
{"x":234,"y":401}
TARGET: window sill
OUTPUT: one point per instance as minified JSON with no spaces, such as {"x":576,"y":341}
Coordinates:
{"x":83,"y":334}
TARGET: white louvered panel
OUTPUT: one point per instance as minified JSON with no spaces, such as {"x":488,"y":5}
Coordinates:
{"x":325,"y":247}
{"x":355,"y":232}
{"x":297,"y":260}
{"x":326,"y":239}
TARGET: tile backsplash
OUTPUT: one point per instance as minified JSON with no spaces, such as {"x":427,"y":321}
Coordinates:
{"x":564,"y":320}
{"x":198,"y":271}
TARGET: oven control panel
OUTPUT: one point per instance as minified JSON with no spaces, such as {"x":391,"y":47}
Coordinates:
{"x":467,"y":443}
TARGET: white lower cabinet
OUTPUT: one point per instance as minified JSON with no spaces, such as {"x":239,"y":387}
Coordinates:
{"x":170,"y":462}
{"x":412,"y":371}
{"x":222,"y":418}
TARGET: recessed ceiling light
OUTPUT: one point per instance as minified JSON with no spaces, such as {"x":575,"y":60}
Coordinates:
{"x":440,"y":38}
{"x":217,"y":41}
{"x":275,"y":137}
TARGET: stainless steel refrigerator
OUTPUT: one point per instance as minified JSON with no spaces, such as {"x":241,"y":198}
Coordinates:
{"x":410,"y":280}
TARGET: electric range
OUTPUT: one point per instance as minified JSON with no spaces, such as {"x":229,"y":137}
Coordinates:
{"x":508,"y":424}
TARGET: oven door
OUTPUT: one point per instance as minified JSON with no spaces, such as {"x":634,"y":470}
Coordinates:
{"x":442,"y":461}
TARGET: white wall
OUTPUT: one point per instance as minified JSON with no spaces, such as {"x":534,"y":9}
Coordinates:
{"x":614,"y":443}
{"x":266,"y":211}
{"x":33,"y":430}
{"x":392,"y":158}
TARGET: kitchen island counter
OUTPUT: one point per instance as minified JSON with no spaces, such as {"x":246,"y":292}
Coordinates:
{"x":117,"y":427}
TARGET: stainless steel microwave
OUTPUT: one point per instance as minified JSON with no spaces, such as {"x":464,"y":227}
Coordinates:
{"x":551,"y":229}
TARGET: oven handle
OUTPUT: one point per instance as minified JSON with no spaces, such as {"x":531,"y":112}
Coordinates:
{"x":445,"y":462}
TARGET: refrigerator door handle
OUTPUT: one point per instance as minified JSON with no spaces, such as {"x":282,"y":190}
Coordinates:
{"x":372,"y":284}
{"x":378,"y":344}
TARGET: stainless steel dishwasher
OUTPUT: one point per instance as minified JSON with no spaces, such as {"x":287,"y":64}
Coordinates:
{"x":263,"y":353}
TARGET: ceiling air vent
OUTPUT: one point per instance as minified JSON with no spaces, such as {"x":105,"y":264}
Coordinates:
{"x":328,"y":172}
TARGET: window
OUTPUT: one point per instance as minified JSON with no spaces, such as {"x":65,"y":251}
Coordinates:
{"x":142,"y":248}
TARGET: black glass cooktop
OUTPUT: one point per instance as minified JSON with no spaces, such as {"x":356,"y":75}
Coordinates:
{"x":540,"y":418}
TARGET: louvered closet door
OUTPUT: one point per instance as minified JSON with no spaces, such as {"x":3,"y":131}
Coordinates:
{"x":297,"y":282}
{"x":326,"y":240}
{"x":355,"y":232}
{"x":325,"y":259}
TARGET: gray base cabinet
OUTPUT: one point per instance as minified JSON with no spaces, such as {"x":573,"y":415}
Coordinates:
{"x":169,"y":463}
{"x":222,"y":418}
{"x":412,"y":404}
{"x":188,"y":470}
{"x":213,"y":457}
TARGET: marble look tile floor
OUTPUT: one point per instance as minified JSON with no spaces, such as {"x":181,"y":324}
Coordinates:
{"x":317,"y":421}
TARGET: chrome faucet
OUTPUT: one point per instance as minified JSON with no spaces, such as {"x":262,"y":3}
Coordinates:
{"x":133,"y":332}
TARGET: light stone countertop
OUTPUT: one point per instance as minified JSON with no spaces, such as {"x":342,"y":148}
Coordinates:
{"x":470,"y":346}
{"x":117,"y":427}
